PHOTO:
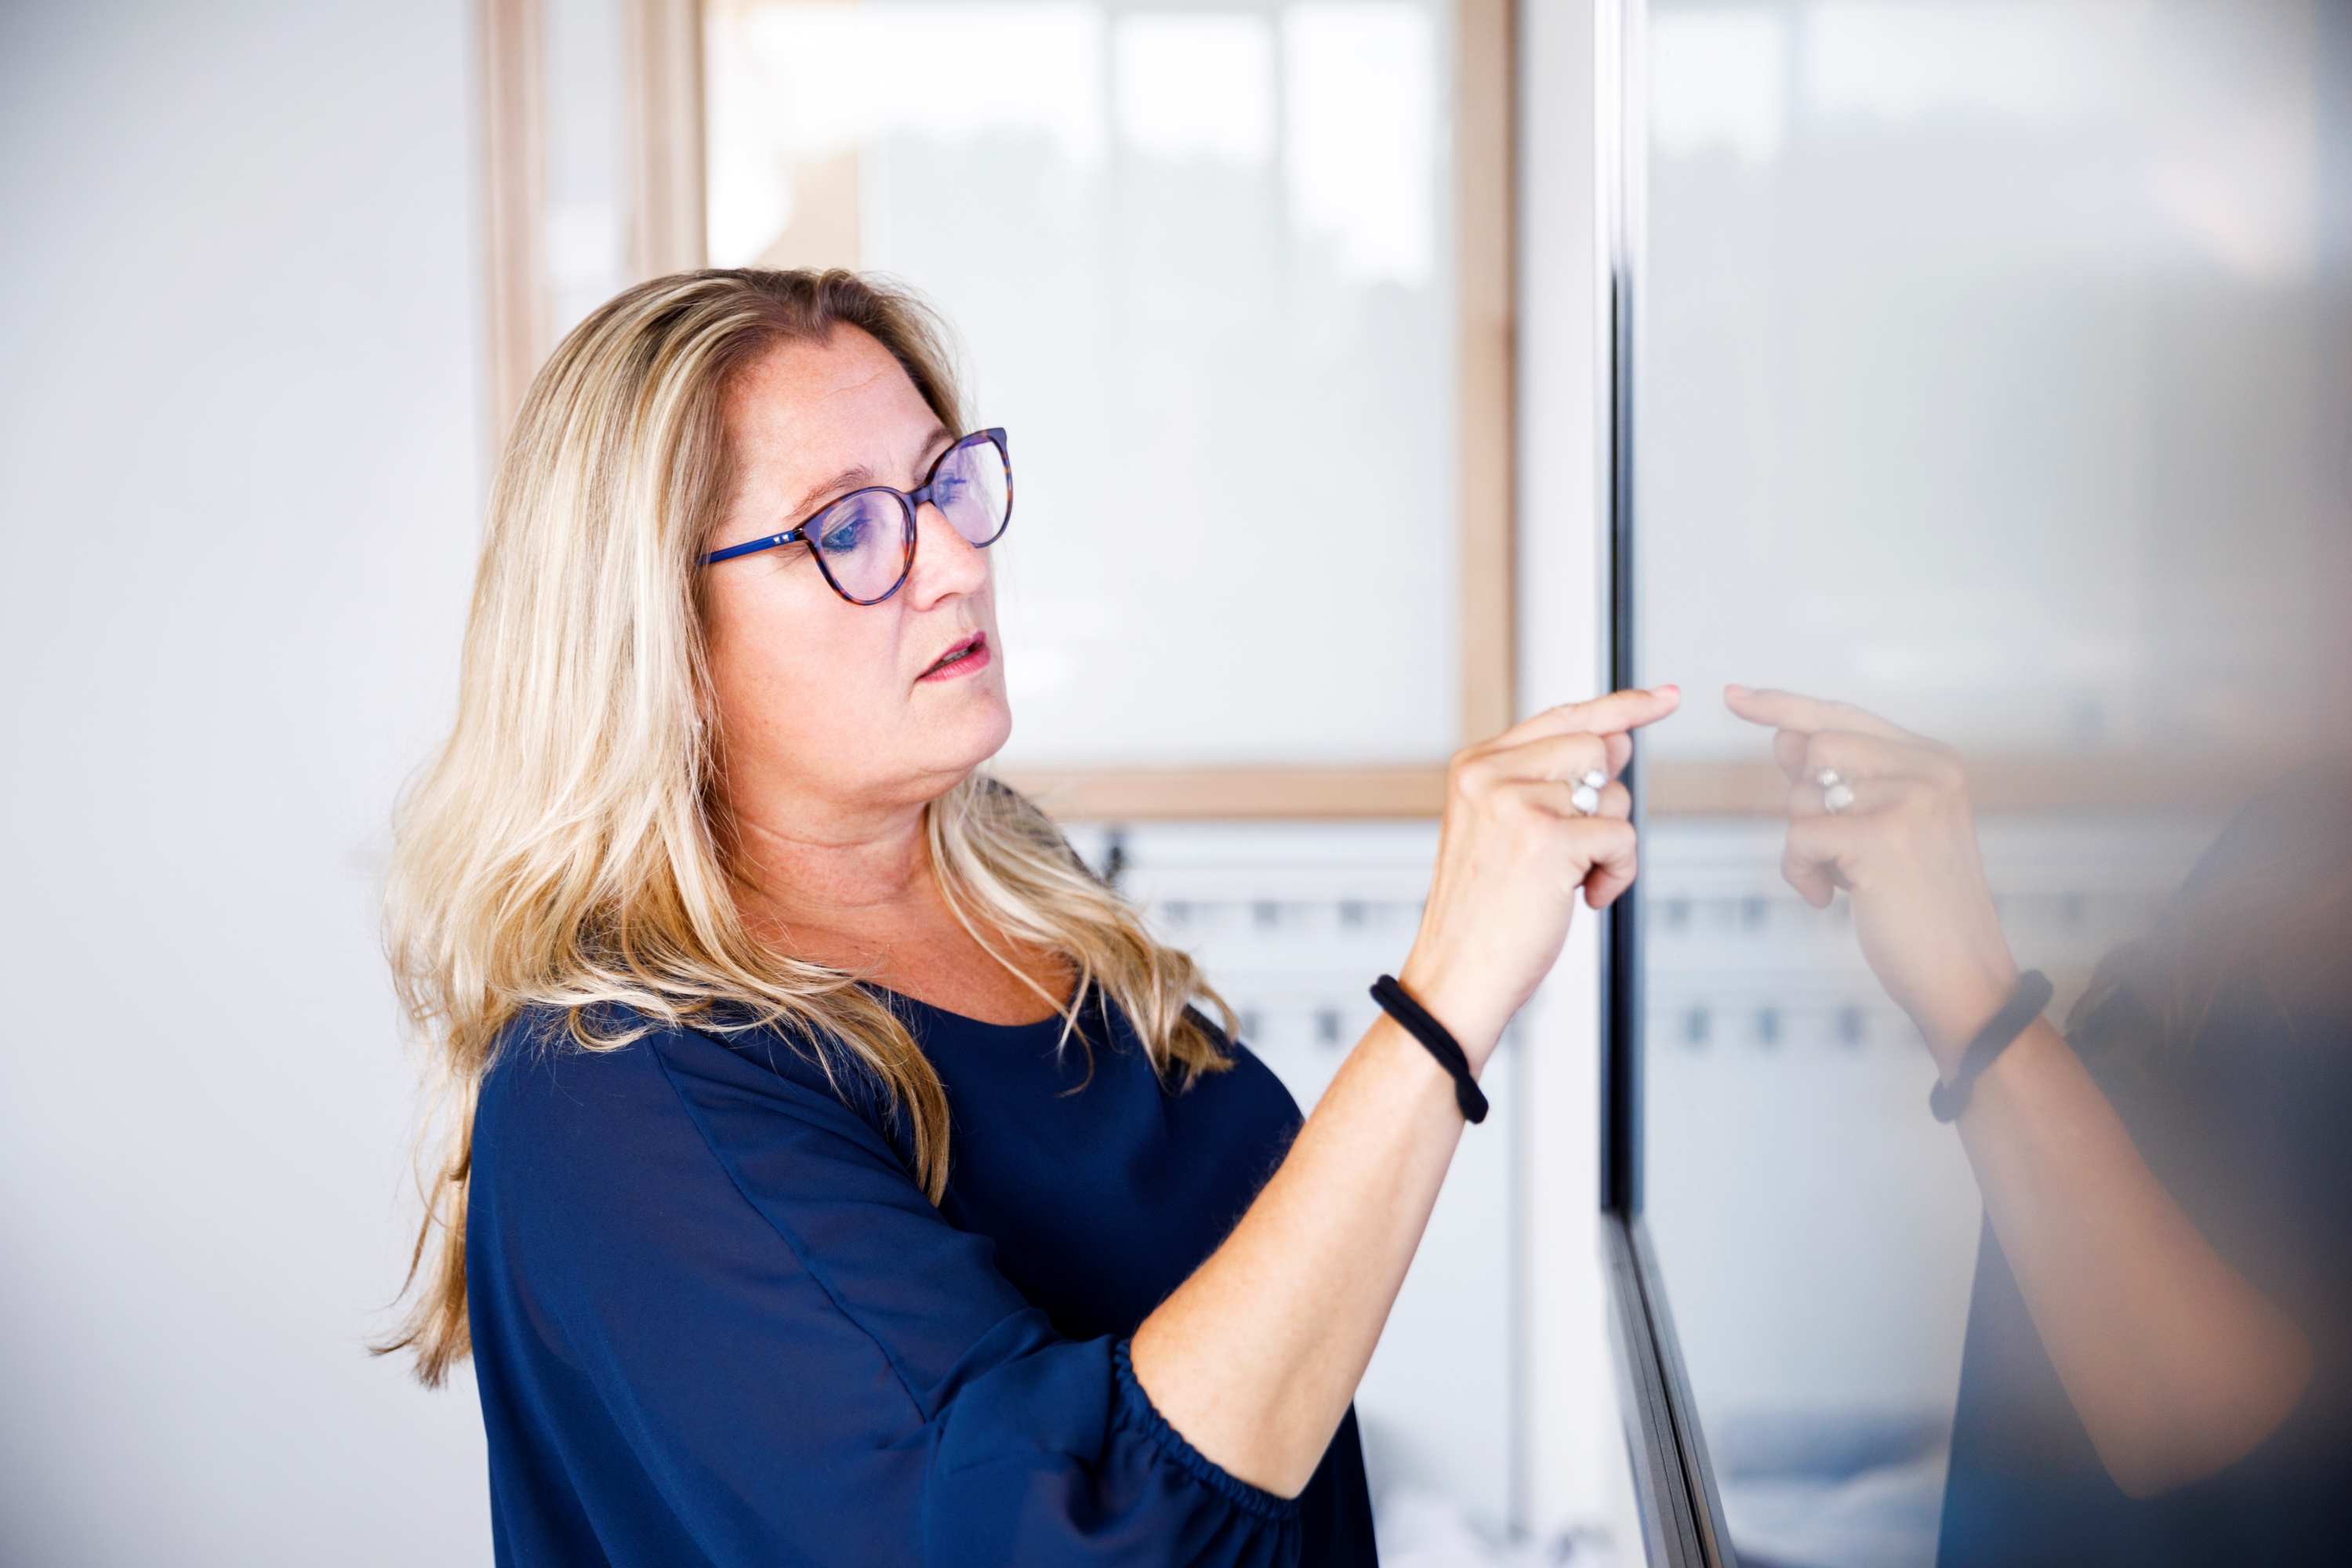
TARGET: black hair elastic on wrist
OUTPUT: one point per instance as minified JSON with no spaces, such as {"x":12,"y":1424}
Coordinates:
{"x":1417,"y":1022}
{"x":2024,"y":1005}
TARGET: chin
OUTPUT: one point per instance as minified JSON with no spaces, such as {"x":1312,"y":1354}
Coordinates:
{"x":991,"y":737}
{"x":975,"y":737}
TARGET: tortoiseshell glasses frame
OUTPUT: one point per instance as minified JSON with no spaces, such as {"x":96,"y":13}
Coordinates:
{"x":971,"y":486}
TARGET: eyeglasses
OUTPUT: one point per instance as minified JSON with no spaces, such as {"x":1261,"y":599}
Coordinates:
{"x":865,"y":542}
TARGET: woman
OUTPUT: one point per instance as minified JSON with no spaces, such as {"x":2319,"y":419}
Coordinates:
{"x":2156,"y":1368}
{"x":839,"y":1172}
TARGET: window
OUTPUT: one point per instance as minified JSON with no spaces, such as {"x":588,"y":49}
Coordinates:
{"x":1235,"y":278}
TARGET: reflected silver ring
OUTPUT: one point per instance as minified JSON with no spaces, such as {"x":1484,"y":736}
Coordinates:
{"x":1837,"y":796}
{"x":1586,"y":796}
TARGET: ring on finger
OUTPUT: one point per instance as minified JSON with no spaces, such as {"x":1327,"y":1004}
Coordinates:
{"x":1837,"y":796}
{"x":1586,"y":796}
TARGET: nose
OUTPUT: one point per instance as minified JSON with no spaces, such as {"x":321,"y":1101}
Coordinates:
{"x":946,"y":564}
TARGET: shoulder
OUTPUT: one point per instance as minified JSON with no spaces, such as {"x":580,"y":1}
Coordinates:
{"x":564,"y":1105}
{"x":554,"y":1075}
{"x":541,"y":1054}
{"x":549,"y":1053}
{"x":606,"y":1088}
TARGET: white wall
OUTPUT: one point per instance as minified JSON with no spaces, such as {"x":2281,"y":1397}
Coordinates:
{"x":239,"y":474}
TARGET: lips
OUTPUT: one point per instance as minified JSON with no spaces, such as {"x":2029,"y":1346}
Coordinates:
{"x":969,"y":654}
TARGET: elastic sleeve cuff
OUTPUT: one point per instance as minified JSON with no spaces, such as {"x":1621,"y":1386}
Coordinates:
{"x":1133,"y":1409}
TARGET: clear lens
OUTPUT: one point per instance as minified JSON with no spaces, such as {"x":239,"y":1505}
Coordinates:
{"x":862,"y":539}
{"x":974,"y":491}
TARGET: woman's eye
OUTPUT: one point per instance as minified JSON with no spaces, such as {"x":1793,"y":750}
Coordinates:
{"x":847,"y":535}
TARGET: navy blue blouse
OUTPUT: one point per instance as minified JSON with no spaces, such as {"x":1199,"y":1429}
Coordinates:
{"x":2248,"y":1135}
{"x":715,"y":1321}
{"x":2246,"y":1131}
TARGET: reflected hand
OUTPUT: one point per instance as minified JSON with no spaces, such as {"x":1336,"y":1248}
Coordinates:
{"x":1514,"y":849}
{"x":1902,"y":842}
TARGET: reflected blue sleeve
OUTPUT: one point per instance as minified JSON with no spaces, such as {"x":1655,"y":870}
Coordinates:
{"x":711,"y":1306}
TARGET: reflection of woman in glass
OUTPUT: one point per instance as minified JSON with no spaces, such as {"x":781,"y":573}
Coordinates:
{"x":839,"y":1172}
{"x":2154,"y":1366}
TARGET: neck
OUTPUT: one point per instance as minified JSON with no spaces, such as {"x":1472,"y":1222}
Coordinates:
{"x":810,"y":885}
{"x":861,"y":895}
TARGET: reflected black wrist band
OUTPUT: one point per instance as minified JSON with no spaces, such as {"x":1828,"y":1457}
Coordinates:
{"x":2024,"y":1005}
{"x":1417,"y":1022}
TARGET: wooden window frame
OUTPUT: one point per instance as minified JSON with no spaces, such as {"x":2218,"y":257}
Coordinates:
{"x":664,"y":141}
{"x":662,"y":41}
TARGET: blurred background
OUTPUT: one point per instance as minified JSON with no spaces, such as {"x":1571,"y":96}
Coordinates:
{"x":273,"y":279}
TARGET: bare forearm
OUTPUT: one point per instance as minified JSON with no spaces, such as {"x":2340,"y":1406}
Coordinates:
{"x":2177,"y":1365}
{"x":1256,"y":1357}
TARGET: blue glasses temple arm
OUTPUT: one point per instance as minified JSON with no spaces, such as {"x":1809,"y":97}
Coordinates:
{"x":753,"y":546}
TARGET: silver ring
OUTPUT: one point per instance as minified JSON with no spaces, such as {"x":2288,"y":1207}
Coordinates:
{"x":1837,"y":796}
{"x":1586,"y":796}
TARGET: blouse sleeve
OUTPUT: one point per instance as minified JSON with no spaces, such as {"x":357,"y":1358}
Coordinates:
{"x":804,"y":1359}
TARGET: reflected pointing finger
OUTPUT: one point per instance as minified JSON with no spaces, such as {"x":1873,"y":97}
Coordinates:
{"x":1794,"y":710}
{"x":1779,"y":709}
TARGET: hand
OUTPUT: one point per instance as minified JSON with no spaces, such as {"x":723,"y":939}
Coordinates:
{"x":1906,"y":848}
{"x":1511,"y":855}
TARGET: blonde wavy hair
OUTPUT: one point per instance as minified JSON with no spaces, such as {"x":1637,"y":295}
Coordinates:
{"x":566,"y":855}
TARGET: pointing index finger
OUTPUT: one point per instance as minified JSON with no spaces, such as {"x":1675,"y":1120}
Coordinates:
{"x":1613,"y":714}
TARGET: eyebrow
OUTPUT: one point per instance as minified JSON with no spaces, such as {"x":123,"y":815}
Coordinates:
{"x":860,"y":477}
